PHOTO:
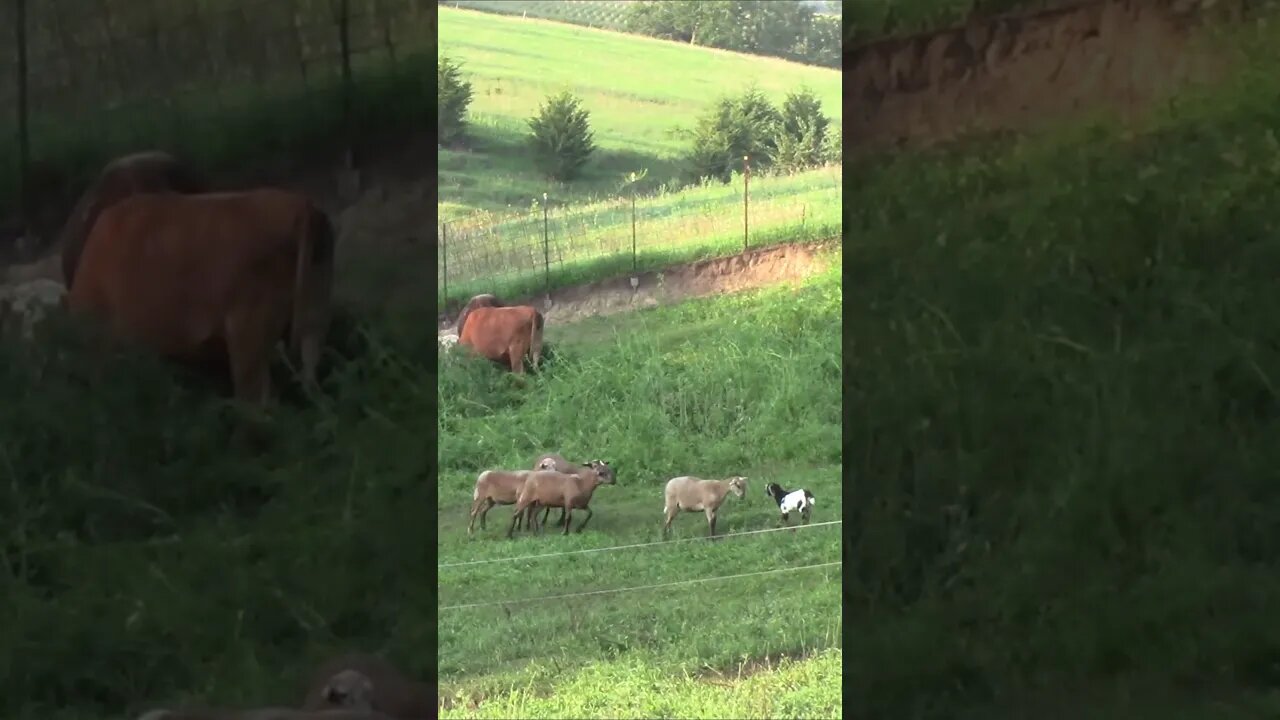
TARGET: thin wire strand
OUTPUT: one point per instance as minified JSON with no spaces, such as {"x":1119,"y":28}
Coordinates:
{"x":626,"y":547}
{"x":639,"y":587}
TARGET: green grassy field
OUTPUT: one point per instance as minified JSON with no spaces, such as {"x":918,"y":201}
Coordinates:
{"x":1062,"y":417}
{"x":638,"y":90}
{"x":505,"y":255}
{"x":742,"y":384}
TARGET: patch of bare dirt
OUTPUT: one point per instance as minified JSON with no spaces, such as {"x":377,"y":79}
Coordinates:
{"x":1017,"y":71}
{"x":753,"y":269}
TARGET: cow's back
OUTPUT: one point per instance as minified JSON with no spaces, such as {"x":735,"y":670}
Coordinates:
{"x":165,"y":267}
{"x":145,"y":172}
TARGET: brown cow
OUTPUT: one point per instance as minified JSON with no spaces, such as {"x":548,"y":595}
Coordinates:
{"x":504,"y":335}
{"x":183,"y":274}
{"x":479,"y":301}
{"x":355,"y":679}
{"x":152,"y":171}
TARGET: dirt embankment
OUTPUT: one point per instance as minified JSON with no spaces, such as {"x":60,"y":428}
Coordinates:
{"x":753,"y":269}
{"x":1017,"y":71}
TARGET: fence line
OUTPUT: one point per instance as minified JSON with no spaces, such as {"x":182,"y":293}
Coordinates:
{"x":518,"y":254}
{"x":179,"y":75}
{"x":638,"y":587}
{"x":628,"y":547}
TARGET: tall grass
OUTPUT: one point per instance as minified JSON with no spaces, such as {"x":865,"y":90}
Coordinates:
{"x":743,"y":384}
{"x":513,"y":255}
{"x":1061,"y":416}
{"x":152,"y":556}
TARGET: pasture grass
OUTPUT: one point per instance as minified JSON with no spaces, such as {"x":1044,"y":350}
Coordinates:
{"x":1061,"y":416}
{"x":642,"y":688}
{"x":638,"y":91}
{"x":505,"y":254}
{"x":152,"y":555}
{"x":739,"y":384}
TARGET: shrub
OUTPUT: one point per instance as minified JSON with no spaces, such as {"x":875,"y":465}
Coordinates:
{"x":453,"y":95}
{"x":733,"y":127}
{"x":802,"y":132}
{"x":561,"y":137}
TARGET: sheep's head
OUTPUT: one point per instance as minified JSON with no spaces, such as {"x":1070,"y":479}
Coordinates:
{"x":738,"y":485}
{"x":349,"y":689}
{"x":547,"y":464}
{"x":604,"y":470}
{"x":773,"y":490}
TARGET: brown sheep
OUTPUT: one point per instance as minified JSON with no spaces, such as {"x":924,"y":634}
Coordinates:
{"x":554,"y":461}
{"x":569,"y":491}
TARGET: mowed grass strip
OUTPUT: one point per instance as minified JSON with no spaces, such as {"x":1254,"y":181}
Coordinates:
{"x":642,"y":688}
{"x":507,"y":255}
{"x":741,"y":384}
{"x":638,"y":90}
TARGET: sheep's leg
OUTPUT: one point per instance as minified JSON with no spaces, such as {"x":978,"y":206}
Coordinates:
{"x":568,"y":515}
{"x":483,"y":506}
{"x":515,"y":516}
{"x":531,"y":518}
{"x":584,"y":522}
{"x":547,"y":512}
{"x":711,"y":522}
{"x":666,"y":526}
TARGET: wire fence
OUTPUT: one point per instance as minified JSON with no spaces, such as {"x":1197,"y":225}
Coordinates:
{"x":612,"y":548}
{"x":530,"y":252}
{"x":610,"y":591}
{"x":223,"y":83}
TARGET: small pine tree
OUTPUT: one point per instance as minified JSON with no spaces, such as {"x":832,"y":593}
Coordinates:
{"x":832,"y":152}
{"x":802,"y":133}
{"x":561,"y":137}
{"x":733,"y":127}
{"x":453,"y":95}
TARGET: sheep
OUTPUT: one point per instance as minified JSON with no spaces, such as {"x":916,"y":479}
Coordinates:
{"x":553,"y":461}
{"x":268,"y":713}
{"x":692,"y":494}
{"x":495,"y":487}
{"x":569,"y":491}
{"x":789,"y":501}
{"x":358,"y":680}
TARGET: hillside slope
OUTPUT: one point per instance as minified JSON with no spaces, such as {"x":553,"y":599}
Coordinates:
{"x":639,"y":92}
{"x":1031,"y":70}
{"x":1062,"y":418}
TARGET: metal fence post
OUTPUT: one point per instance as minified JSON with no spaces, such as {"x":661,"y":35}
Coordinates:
{"x":546,"y":248}
{"x":24,"y":138}
{"x":746,"y":194}
{"x":633,"y":232}
{"x":444,"y":258}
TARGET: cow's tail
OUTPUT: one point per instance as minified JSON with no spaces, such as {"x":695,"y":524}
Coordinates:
{"x":310,"y":286}
{"x":535,"y":339}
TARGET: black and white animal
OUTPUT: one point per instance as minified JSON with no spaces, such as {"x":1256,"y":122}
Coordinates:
{"x":790,"y":501}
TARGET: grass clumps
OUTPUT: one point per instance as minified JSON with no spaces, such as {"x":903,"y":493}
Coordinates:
{"x":1061,"y":417}
{"x":150,"y":557}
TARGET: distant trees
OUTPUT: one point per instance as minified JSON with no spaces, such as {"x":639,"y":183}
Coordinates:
{"x":561,"y":137}
{"x":453,"y":95}
{"x":793,"y":138}
{"x":763,"y":27}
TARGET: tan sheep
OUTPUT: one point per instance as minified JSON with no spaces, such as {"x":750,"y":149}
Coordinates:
{"x":349,"y":678}
{"x":554,"y":461}
{"x":692,"y":494}
{"x":496,"y":487}
{"x":564,"y":490}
